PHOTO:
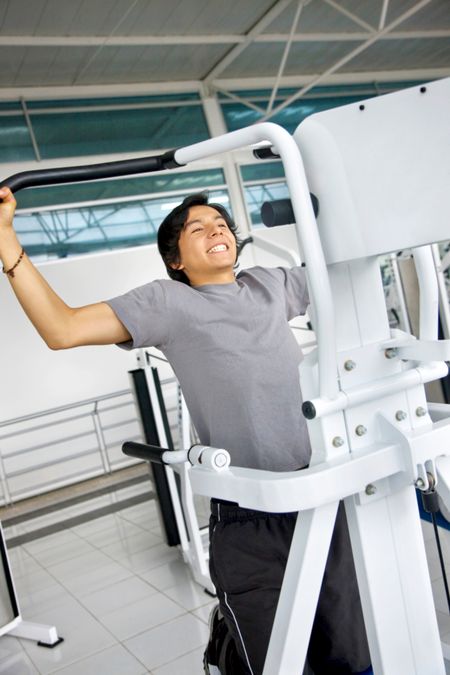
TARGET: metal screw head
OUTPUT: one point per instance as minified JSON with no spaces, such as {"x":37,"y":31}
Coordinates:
{"x":400,"y":415}
{"x":421,"y":412}
{"x":360,"y":430}
{"x":420,"y":483}
{"x":370,"y":489}
{"x":338,"y":441}
{"x":349,"y":365}
{"x":390,"y":353}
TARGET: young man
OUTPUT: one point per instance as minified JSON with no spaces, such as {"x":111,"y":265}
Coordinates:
{"x":228,"y":340}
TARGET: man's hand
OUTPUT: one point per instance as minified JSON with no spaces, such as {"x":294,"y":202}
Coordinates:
{"x":7,"y":208}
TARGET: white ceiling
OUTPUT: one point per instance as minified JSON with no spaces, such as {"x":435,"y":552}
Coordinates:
{"x":72,"y":46}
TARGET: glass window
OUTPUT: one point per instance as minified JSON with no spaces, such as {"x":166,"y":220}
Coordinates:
{"x":263,"y":182}
{"x":190,"y":181}
{"x":15,"y":140}
{"x":70,"y":134}
{"x":84,"y":229}
{"x":256,"y":195}
{"x":79,"y":127}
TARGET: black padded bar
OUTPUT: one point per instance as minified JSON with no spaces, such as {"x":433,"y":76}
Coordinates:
{"x":150,"y":453}
{"x":280,"y":212}
{"x":266,"y":152}
{"x":75,"y":174}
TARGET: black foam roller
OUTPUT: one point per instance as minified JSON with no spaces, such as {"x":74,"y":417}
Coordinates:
{"x":280,"y":212}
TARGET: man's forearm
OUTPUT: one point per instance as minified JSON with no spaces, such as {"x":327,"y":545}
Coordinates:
{"x":45,"y":309}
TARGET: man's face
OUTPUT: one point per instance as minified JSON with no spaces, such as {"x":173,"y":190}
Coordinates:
{"x":207,"y":247}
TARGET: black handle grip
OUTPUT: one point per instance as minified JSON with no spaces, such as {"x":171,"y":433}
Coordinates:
{"x":73,"y":174}
{"x":150,"y":453}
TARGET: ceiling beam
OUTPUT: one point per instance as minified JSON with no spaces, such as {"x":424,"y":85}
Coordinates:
{"x":348,"y":57}
{"x":163,"y":40}
{"x":258,"y":28}
{"x":229,"y":84}
{"x":384,"y":11}
{"x":115,"y":41}
{"x":350,"y":15}
{"x":286,"y":51}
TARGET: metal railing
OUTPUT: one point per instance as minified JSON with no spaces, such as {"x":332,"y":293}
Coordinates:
{"x":52,"y":448}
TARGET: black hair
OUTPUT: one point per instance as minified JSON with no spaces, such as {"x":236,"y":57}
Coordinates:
{"x":171,"y":227}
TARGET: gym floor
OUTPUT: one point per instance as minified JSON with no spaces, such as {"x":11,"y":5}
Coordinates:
{"x":122,"y":600}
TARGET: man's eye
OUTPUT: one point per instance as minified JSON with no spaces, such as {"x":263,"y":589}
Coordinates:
{"x":222,"y":225}
{"x":197,"y":229}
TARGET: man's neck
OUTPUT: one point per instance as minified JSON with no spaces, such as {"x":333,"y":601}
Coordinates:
{"x":225,"y":277}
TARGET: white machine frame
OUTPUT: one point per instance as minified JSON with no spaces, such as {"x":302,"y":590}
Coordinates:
{"x":14,"y":625}
{"x":374,"y":436}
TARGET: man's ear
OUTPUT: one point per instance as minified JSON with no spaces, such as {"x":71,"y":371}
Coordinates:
{"x":177,"y":266}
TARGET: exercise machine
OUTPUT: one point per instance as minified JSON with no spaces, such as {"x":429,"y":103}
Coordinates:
{"x":381,"y":179}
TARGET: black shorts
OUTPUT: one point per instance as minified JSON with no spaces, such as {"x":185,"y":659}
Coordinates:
{"x":248,"y":555}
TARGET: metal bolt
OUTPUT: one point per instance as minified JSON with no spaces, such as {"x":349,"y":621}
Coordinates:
{"x":338,"y":441}
{"x":390,"y":353}
{"x":360,"y":430}
{"x":420,"y":412}
{"x":420,"y":483}
{"x":400,"y":415}
{"x":370,"y":489}
{"x":349,"y":365}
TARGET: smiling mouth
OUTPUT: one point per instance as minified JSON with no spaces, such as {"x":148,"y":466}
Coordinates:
{"x":218,"y":248}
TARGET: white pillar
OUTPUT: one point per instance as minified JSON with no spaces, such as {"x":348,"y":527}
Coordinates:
{"x":216,"y":125}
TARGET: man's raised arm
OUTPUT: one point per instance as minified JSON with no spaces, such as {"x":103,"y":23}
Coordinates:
{"x":59,"y":325}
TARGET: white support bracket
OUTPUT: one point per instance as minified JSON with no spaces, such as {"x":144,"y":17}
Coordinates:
{"x":421,"y":350}
{"x":44,"y":635}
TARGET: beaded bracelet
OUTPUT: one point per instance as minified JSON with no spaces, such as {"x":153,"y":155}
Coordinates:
{"x":10,"y":272}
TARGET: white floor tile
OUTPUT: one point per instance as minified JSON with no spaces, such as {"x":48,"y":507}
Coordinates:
{"x":117,"y":596}
{"x":17,"y":556}
{"x":67,"y":551}
{"x":62,"y":538}
{"x":113,"y":661}
{"x":13,"y":658}
{"x":118,"y":531}
{"x":132,"y":544}
{"x":26,"y":567}
{"x":82,"y":634}
{"x":189,"y":664}
{"x":145,"y":560}
{"x":17,"y":664}
{"x":203,"y":612}
{"x":33,"y":582}
{"x":96,"y":579}
{"x":188,"y":594}
{"x":167,"y":575}
{"x":165,"y":643}
{"x":139,"y":616}
{"x":36,"y":601}
{"x":95,"y":526}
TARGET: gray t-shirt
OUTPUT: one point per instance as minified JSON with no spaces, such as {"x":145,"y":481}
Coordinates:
{"x":235,"y":357}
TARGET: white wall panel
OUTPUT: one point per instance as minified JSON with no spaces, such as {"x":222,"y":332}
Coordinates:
{"x":34,"y":378}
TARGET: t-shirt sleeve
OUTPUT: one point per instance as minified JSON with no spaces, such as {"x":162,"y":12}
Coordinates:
{"x":295,"y":290}
{"x":145,"y":313}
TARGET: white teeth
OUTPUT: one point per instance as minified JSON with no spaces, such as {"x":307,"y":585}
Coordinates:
{"x":219,"y":247}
